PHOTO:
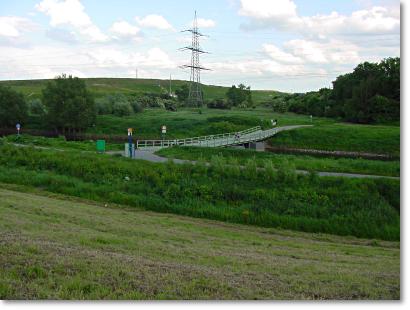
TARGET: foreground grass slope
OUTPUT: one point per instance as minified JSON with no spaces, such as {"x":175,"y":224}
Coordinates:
{"x":103,"y":86}
{"x":57,"y":247}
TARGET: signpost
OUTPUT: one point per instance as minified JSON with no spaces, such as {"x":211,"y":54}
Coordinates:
{"x":163,"y":131}
{"x":18,"y":126}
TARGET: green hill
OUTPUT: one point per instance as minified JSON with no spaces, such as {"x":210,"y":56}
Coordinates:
{"x":102,"y":86}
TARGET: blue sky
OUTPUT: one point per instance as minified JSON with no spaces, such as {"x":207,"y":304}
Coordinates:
{"x":286,"y":45}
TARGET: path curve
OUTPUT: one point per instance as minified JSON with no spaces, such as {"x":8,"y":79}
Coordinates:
{"x":150,"y":156}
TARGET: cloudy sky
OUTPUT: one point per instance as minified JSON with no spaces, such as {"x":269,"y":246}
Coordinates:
{"x":287,"y":45}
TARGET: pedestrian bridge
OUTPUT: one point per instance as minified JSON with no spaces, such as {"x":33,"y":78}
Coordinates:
{"x":250,"y":135}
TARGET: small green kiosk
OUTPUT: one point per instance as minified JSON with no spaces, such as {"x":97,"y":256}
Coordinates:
{"x":101,"y":146}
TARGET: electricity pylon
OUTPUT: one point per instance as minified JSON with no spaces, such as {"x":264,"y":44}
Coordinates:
{"x":195,"y":92}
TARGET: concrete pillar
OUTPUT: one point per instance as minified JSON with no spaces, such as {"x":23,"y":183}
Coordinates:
{"x":257,"y":146}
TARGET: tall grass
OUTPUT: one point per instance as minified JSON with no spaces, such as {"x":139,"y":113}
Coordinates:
{"x":360,"y":207}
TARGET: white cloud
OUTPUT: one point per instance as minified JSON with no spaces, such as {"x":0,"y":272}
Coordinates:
{"x":13,"y":26}
{"x":280,"y":56}
{"x":154,"y":21}
{"x":124,"y":30}
{"x":255,"y":67}
{"x":264,"y":9}
{"x":72,"y":13}
{"x":109,"y":61}
{"x":334,"y":51}
{"x":113,"y":57}
{"x":205,"y":23}
{"x":283,"y":15}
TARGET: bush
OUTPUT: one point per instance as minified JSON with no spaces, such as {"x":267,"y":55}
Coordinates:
{"x":218,"y":104}
{"x":122,"y":108}
{"x":136,"y":105}
{"x":103,"y":106}
{"x":170,"y":105}
{"x":36,"y":107}
{"x":13,"y":107}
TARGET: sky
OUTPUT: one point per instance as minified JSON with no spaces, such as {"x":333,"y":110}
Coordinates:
{"x":285,"y":45}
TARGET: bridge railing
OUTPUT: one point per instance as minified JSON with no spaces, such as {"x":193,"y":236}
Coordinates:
{"x":211,"y":140}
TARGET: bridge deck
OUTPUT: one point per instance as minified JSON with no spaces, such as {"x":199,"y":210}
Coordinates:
{"x":227,"y":139}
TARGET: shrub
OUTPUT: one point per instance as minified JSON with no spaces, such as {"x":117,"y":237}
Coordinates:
{"x":36,"y":107}
{"x":218,"y":104}
{"x":122,"y":108}
{"x":13,"y":107}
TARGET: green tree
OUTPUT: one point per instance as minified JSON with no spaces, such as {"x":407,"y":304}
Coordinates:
{"x":240,"y":95}
{"x":70,"y":106}
{"x":13,"y":107}
{"x":182,"y":93}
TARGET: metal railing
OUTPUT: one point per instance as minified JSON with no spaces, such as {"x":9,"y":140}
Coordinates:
{"x":231,"y":138}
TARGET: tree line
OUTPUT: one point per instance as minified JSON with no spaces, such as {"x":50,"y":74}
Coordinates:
{"x":369,"y":94}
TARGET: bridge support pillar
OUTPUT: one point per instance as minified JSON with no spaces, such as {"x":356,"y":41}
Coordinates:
{"x":257,"y":146}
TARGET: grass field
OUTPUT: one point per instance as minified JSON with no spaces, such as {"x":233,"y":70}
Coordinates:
{"x":243,"y":156}
{"x":57,"y":247}
{"x":103,"y":86}
{"x":59,"y":143}
{"x":192,"y":122}
{"x":343,"y":137}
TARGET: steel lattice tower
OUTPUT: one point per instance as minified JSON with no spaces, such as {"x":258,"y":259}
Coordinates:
{"x":195,"y":92}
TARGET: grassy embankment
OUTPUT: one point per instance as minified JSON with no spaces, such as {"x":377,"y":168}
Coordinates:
{"x":56,"y":247}
{"x":243,"y":156}
{"x":343,"y":137}
{"x":59,"y":143}
{"x":268,"y":197}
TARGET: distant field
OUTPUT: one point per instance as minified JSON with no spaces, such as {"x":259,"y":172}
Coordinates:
{"x":59,"y":247}
{"x":242,"y":156}
{"x":103,"y":86}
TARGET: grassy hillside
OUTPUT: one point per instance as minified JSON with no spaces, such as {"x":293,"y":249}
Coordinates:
{"x":57,"y":247}
{"x":102,"y":86}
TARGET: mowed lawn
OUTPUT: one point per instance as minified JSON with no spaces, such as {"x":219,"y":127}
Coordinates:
{"x":59,"y":247}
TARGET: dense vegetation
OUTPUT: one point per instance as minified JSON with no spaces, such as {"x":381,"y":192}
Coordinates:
{"x":310,"y":163}
{"x":370,"y":94}
{"x":13,"y":107}
{"x":268,"y":197}
{"x":70,"y":106}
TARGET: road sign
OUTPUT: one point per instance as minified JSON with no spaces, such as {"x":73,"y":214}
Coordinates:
{"x":130,"y":131}
{"x":164,"y":129}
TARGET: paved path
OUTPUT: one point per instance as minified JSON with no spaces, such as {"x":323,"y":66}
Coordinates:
{"x":150,"y":156}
